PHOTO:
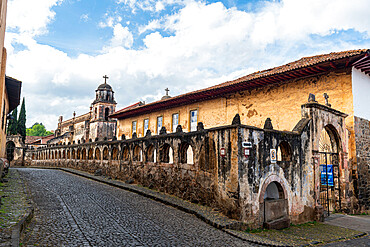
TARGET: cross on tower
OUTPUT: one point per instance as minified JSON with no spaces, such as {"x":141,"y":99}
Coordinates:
{"x":167,"y":90}
{"x":105,"y":79}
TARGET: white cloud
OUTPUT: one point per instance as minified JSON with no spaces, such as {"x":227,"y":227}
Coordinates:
{"x":209,"y":44}
{"x":30,"y":17}
{"x":121,"y":36}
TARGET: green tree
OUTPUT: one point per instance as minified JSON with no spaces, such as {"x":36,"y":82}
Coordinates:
{"x":12,"y":128}
{"x":38,"y":129}
{"x":21,"y":128}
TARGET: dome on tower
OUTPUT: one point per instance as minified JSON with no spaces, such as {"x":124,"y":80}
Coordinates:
{"x":104,"y":86}
{"x":104,"y":93}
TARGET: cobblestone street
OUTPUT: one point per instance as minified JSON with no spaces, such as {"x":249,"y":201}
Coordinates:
{"x":74,"y":211}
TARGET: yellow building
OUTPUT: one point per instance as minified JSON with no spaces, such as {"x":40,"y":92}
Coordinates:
{"x":9,"y":88}
{"x":275,"y":93}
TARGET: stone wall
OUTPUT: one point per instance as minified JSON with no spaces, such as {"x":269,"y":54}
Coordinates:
{"x":362,"y":132}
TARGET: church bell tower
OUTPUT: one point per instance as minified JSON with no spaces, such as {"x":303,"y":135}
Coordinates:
{"x":101,"y":125}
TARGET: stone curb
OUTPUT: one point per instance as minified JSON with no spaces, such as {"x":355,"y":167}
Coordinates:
{"x":230,"y":228}
{"x":20,"y":226}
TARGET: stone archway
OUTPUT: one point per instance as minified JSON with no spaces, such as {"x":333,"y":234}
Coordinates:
{"x":10,"y":147}
{"x":274,"y":207}
{"x":329,"y":170}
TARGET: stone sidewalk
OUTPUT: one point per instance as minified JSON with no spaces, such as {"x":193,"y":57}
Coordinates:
{"x":358,"y":222}
{"x":15,"y":208}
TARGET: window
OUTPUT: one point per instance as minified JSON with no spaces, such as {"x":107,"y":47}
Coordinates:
{"x":193,"y":120}
{"x":175,"y":121}
{"x":159,"y":124}
{"x":146,"y":126}
{"x":134,"y":124}
{"x":106,"y":114}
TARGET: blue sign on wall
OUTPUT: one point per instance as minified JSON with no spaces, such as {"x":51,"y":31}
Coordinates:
{"x":330,"y":174}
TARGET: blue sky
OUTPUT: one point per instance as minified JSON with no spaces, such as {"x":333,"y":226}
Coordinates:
{"x":60,"y":49}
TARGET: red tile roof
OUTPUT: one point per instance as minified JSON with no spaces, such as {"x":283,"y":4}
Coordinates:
{"x":305,"y":66}
{"x":130,"y":107}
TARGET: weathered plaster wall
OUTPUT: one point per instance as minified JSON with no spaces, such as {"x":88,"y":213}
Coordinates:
{"x":211,"y":113}
{"x":257,"y":171}
{"x":279,"y":102}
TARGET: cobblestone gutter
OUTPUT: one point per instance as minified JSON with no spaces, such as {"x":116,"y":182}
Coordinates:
{"x":16,"y":208}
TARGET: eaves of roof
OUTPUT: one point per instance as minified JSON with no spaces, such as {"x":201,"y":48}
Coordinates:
{"x":13,"y":89}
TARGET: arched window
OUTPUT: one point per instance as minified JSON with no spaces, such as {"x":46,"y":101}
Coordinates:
{"x":68,"y":154}
{"x":64,"y":154}
{"x":106,"y":114}
{"x":105,"y":153}
{"x":166,"y":154}
{"x":284,"y":152}
{"x":97,"y":154}
{"x":73,"y":154}
{"x":138,"y":153}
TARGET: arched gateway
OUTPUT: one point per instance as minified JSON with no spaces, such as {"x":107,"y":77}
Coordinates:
{"x":330,"y":191}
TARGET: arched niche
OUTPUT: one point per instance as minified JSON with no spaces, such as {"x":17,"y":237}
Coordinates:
{"x":97,"y":154}
{"x":151,"y":154}
{"x":284,"y":152}
{"x":105,"y":154}
{"x":166,"y":154}
{"x":138,"y":153}
{"x":125,"y":153}
{"x":186,"y":153}
{"x":115,"y":153}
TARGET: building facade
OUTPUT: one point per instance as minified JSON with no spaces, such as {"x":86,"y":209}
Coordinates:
{"x":94,"y":125}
